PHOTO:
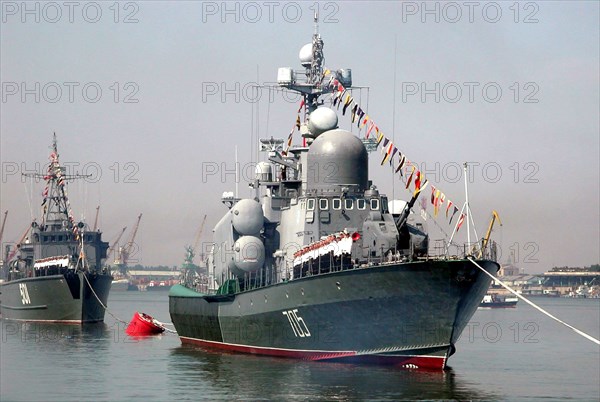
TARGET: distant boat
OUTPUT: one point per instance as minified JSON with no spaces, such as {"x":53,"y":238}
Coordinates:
{"x":164,"y":285}
{"x":120,"y":284}
{"x":498,"y":301}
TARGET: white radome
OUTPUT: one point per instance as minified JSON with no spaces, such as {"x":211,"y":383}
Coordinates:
{"x":306,"y":55}
{"x":321,"y":120}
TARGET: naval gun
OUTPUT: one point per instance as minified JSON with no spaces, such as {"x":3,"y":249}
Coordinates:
{"x":411,"y":238}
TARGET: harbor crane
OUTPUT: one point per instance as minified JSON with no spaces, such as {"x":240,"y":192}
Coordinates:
{"x":486,"y":239}
{"x":199,"y":235}
{"x":18,"y":244}
{"x":2,"y":233}
{"x":96,"y":219}
{"x":116,"y":242}
{"x":3,"y":224}
{"x":125,"y":251}
{"x":191,"y":251}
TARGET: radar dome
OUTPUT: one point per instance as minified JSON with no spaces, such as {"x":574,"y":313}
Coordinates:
{"x":248,"y":217}
{"x":306,"y":55}
{"x":321,"y":120}
{"x":337,"y":158}
{"x":249,"y":254}
{"x":397,"y":206}
{"x":263,"y":171}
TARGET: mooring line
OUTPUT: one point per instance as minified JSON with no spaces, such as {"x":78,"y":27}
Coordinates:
{"x":100,"y":301}
{"x":168,"y":330}
{"x":162,"y":324}
{"x":589,"y":337}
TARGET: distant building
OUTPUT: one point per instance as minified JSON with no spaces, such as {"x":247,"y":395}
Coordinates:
{"x":571,"y":278}
{"x":508,"y":270}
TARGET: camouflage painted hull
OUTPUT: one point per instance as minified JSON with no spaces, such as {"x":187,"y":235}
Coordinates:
{"x":55,"y":298}
{"x":407,"y":314}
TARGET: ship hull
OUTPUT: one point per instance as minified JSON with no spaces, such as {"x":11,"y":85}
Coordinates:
{"x":119,"y":285}
{"x":499,"y":304}
{"x":408,"y":314}
{"x":56,"y":298}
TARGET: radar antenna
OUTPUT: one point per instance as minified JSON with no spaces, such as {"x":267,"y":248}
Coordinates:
{"x":316,"y":65}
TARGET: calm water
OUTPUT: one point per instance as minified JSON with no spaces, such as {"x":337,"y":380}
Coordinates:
{"x":511,"y":354}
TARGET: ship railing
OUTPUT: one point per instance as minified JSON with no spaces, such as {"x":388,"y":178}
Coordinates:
{"x":329,"y":263}
{"x":442,"y":250}
{"x":323,"y":264}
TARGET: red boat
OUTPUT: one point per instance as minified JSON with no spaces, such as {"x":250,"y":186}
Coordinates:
{"x":143,"y":324}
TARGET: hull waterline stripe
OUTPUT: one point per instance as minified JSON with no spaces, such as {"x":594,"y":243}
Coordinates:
{"x":54,"y":321}
{"x":317,"y":355}
{"x":40,"y":307}
{"x":589,"y":337}
{"x":267,"y":348}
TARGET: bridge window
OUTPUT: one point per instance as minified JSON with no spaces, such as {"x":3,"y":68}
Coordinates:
{"x":348,"y":203}
{"x":361,"y":204}
{"x":310,"y":204}
{"x":374,"y":204}
{"x":336,"y":204}
{"x":384,"y":205}
{"x":323,"y":204}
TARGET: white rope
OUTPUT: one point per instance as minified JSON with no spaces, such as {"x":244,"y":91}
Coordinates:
{"x":117,"y":318}
{"x":100,"y":301}
{"x":162,"y":324}
{"x":591,"y":338}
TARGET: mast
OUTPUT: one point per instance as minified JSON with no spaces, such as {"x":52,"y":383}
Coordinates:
{"x":56,"y":208}
{"x":316,"y":65}
{"x":466,"y":210}
{"x":237,"y":172}
{"x":466,"y":207}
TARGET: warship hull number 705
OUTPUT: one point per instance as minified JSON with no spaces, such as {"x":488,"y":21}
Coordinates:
{"x":316,"y":267}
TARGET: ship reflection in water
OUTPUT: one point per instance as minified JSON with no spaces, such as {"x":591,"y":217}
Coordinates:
{"x":217,"y":374}
{"x":43,"y":362}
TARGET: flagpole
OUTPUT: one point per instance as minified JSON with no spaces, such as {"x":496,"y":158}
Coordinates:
{"x":455,"y":230}
{"x":237,"y":179}
{"x":394,"y":109}
{"x":474,"y":228}
{"x":467,"y":209}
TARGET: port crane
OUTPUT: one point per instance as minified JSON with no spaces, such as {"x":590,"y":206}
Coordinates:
{"x":125,"y":251}
{"x":2,"y":229}
{"x":3,"y":224}
{"x":191,"y":251}
{"x":116,"y":242}
{"x":96,"y":219}
{"x":18,"y":244}
{"x":486,"y":239}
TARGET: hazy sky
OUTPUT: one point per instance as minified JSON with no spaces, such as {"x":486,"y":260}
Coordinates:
{"x":151,"y":98}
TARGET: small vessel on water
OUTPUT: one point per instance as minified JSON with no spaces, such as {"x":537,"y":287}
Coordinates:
{"x":498,"y":301}
{"x":316,"y":267}
{"x":120,"y":284}
{"x":56,"y":274}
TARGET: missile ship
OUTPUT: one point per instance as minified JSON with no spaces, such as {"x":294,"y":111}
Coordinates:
{"x":55,"y":273}
{"x":317,"y":265}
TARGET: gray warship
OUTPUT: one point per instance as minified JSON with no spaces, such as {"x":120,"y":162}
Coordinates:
{"x":315,"y":266}
{"x":55,"y":273}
